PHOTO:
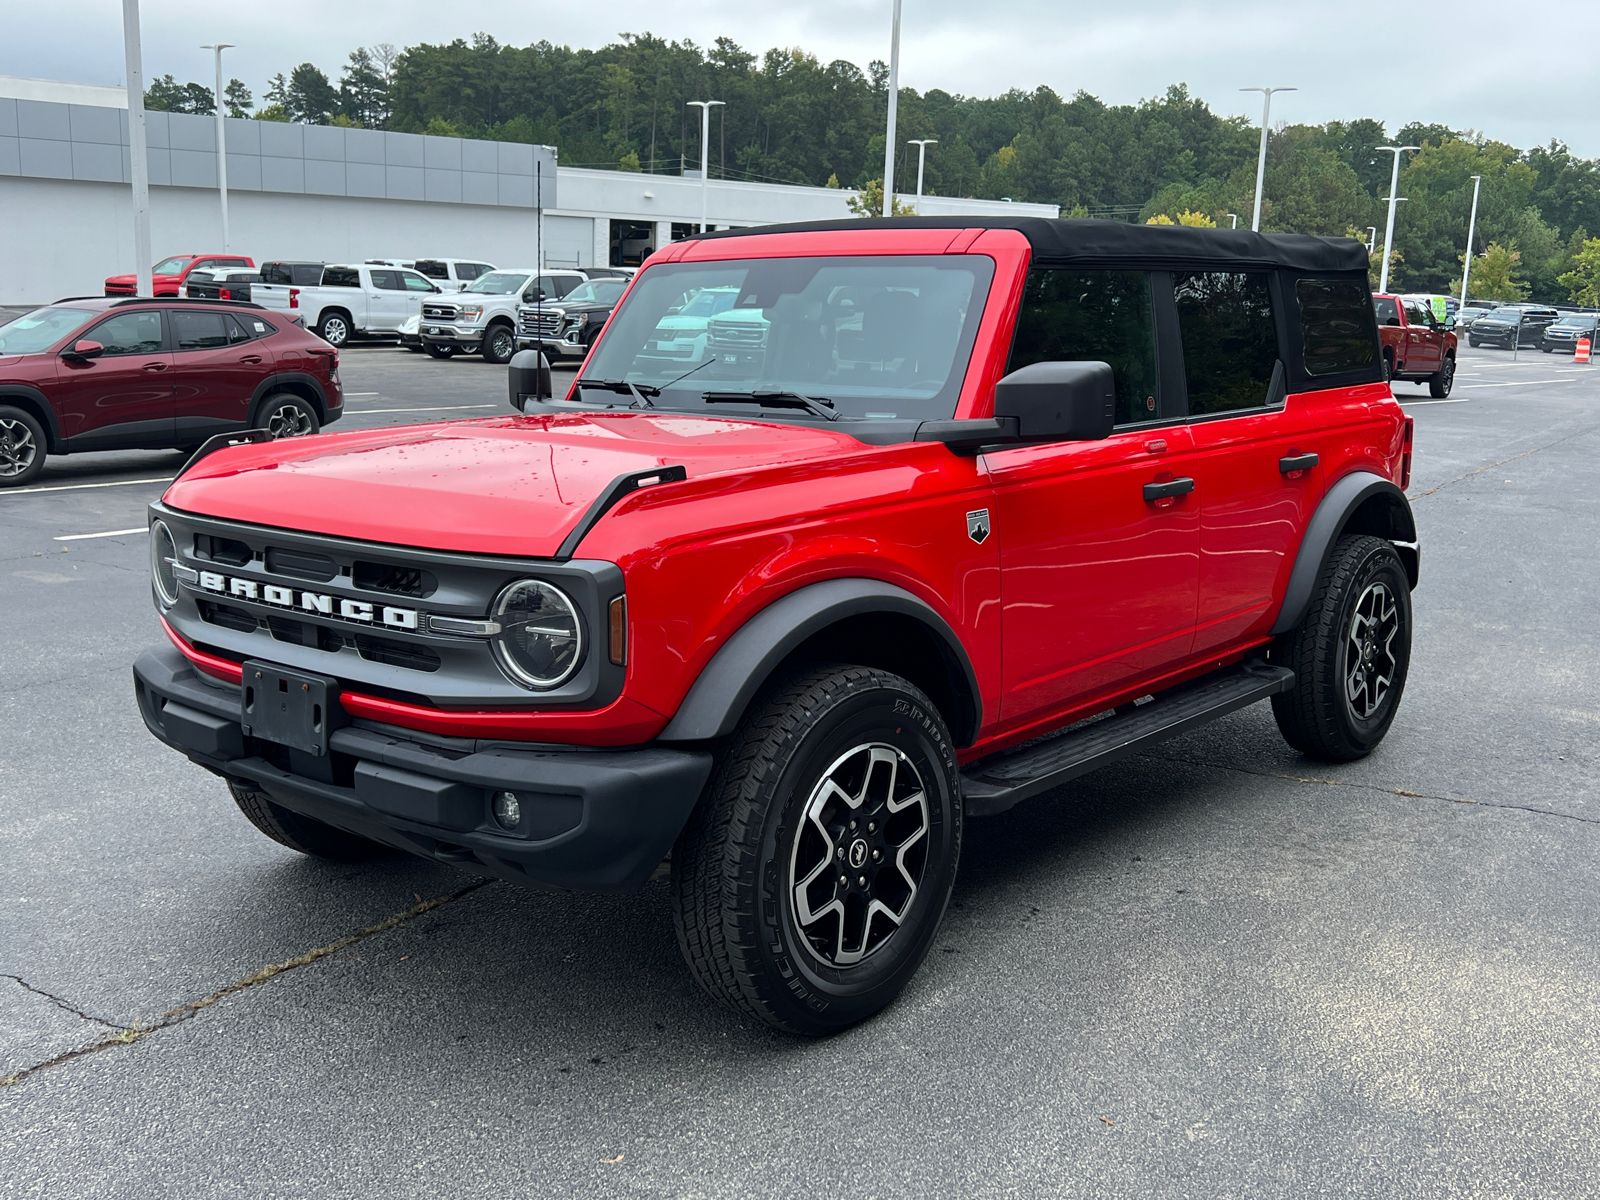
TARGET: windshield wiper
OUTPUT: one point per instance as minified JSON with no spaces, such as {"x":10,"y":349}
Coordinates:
{"x":641,"y":392}
{"x":817,"y":406}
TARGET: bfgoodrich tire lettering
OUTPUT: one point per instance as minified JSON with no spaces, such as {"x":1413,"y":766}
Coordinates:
{"x":1350,"y":654}
{"x":302,"y":833}
{"x":752,"y":847}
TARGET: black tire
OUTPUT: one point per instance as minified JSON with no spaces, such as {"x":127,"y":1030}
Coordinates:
{"x":499,"y":344}
{"x":1388,"y":368}
{"x":439,"y":351}
{"x":23,"y":447}
{"x":735,"y":866}
{"x":1362,"y":600}
{"x":334,"y":328}
{"x":304,"y":834}
{"x":287,"y":415}
{"x":1442,"y":380}
{"x":1474,"y":342}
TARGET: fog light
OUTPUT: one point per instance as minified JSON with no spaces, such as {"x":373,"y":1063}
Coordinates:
{"x":507,"y":810}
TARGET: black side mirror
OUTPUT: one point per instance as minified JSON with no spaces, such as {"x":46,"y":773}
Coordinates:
{"x":1059,"y":401}
{"x":528,"y":378}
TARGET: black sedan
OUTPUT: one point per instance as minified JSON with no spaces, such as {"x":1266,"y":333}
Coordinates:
{"x":1511,"y":326}
{"x":1564,"y":334}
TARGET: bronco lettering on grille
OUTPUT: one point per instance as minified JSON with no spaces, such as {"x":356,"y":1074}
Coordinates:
{"x":359,"y":611}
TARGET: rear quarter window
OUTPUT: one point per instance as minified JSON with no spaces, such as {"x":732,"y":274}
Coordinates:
{"x":1337,"y":325}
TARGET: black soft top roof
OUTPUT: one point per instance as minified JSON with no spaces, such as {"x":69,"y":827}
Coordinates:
{"x":1079,"y":242}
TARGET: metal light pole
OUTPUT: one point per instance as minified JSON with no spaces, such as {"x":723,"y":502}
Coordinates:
{"x":705,"y":107}
{"x":1235,"y":217}
{"x":1388,"y":229}
{"x":222,"y":143}
{"x":1472,"y":225}
{"x":894,"y":105}
{"x":138,"y":156}
{"x":922,"y":145}
{"x":1261,"y":159}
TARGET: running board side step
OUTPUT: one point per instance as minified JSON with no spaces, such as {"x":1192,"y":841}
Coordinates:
{"x":994,"y":784}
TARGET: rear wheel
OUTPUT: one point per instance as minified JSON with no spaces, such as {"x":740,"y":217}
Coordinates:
{"x":1388,"y":367}
{"x":285,"y":415}
{"x":22,"y":447}
{"x":499,"y":344}
{"x":813,"y":875}
{"x":439,"y":351}
{"x":334,"y":328}
{"x":1350,"y":654}
{"x":300,"y":833}
{"x":1442,"y":380}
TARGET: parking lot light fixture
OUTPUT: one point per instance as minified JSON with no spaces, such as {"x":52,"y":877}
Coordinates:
{"x":1235,"y":217}
{"x":1261,"y":159}
{"x":922,"y":145}
{"x":1472,"y":226}
{"x":138,"y":155}
{"x":1388,"y":229}
{"x":1372,"y":238}
{"x":705,"y":107}
{"x":222,"y":142}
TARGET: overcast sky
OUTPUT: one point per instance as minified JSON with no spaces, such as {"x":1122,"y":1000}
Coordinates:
{"x":1493,"y":67}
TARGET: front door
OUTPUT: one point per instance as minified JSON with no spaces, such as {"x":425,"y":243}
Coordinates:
{"x":1425,"y":354}
{"x":1098,"y":575}
{"x":216,"y":366}
{"x":124,"y":397}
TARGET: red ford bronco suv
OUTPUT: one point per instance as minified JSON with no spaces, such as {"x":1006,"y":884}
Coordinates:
{"x":985,"y":505}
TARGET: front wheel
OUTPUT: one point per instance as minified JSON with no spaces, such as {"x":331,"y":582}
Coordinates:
{"x":812,"y":877}
{"x":499,"y":344}
{"x":1474,"y":342}
{"x":1350,"y":654}
{"x":284,"y":416}
{"x":308,"y":836}
{"x":22,"y":447}
{"x":436,"y":351}
{"x":1442,"y":380}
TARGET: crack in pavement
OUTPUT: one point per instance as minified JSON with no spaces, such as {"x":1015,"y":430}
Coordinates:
{"x":1550,"y":445}
{"x":60,"y":1003}
{"x":1376,"y":787}
{"x":133,"y":1033}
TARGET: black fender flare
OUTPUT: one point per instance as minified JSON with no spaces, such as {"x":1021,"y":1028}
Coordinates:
{"x":273,"y":383}
{"x":41,"y":408}
{"x":730,"y":681}
{"x":1385,"y":513}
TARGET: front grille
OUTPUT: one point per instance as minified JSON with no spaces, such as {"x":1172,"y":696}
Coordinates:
{"x":226,"y":616}
{"x":740,"y":335}
{"x":301,"y":564}
{"x":223,"y":550}
{"x":397,"y":654}
{"x":439,"y":312}
{"x":541,"y":323}
{"x":397,"y":581}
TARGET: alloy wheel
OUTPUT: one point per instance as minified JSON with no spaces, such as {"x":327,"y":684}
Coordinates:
{"x":501,"y":345}
{"x":289,"y":420}
{"x":1370,"y":662}
{"x":335,"y":332}
{"x":18,"y":450}
{"x":859,"y":855}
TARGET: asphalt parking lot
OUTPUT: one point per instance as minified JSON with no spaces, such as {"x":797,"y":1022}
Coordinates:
{"x":1216,"y":971}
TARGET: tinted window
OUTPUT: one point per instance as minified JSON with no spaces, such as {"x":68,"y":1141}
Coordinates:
{"x":1417,"y":313}
{"x":341,"y":277}
{"x":388,"y":281}
{"x":35,"y":332}
{"x":1387,"y":310}
{"x":129,"y":333}
{"x":1093,"y":316}
{"x":236,"y":331}
{"x":1336,"y":323}
{"x":433,"y":269}
{"x":198,"y":330}
{"x":306,"y":274}
{"x":1230,"y":344}
{"x":414,"y":283}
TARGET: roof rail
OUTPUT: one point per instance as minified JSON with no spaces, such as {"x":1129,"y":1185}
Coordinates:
{"x":68,"y":299}
{"x":185,"y":300}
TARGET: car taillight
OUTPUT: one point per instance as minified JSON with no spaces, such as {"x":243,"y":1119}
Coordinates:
{"x":294,"y":297}
{"x":1405,"y":456}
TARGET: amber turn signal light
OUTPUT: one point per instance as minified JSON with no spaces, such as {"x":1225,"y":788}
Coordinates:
{"x":619,"y":631}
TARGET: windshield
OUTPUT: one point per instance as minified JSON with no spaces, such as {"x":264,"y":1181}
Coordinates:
{"x":596,"y":291}
{"x":1510,"y":316}
{"x":708,"y":303}
{"x":170,"y":266}
{"x":498,"y":283}
{"x":36,"y":332}
{"x":1576,"y":322}
{"x":879,"y":337}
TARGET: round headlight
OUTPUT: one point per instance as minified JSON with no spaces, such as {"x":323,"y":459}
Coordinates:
{"x":540,"y":642}
{"x":164,"y":563}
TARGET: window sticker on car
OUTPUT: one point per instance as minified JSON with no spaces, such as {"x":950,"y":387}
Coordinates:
{"x":261,"y":326}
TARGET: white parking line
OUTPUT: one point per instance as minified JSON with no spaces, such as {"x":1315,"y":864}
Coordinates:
{"x":1513,"y":383}
{"x":78,"y":537}
{"x":425,"y":409}
{"x":72,"y":487}
{"x":354,"y":395}
{"x":1428,"y":400}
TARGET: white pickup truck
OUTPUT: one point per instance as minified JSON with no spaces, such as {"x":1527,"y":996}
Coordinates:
{"x":350,"y":301}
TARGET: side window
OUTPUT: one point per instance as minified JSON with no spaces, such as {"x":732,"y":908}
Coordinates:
{"x":387,"y":281}
{"x":237,"y":331}
{"x":129,"y":333}
{"x":433,"y":269}
{"x":1388,"y":312}
{"x":467,"y":271}
{"x":1103,"y":316}
{"x":341,"y":277}
{"x":198,"y":330}
{"x":1417,"y":313}
{"x":1336,"y":325}
{"x":1230,"y":343}
{"x":563,"y":284}
{"x":412,"y":282}
{"x":303,"y":275}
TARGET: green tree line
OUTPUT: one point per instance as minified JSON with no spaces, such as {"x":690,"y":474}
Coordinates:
{"x":791,"y":118}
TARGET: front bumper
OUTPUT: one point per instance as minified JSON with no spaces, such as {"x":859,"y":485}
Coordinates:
{"x":450,"y":335}
{"x":592,"y":820}
{"x":568,"y":344}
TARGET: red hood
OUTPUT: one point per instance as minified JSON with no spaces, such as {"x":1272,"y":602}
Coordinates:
{"x":130,"y":279}
{"x":507,"y":485}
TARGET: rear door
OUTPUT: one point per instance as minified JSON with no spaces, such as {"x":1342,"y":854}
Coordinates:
{"x":125,"y":396}
{"x":216,"y":366}
{"x":1098,"y":580}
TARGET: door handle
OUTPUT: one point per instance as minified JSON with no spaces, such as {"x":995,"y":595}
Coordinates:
{"x":1168,"y":489}
{"x":252,"y":359}
{"x":1298,"y":462}
{"x":155,"y":366}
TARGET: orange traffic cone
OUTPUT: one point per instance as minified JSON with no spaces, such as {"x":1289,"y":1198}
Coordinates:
{"x":1581,"y":354}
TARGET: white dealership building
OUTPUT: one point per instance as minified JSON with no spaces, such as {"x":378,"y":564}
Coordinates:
{"x":330,"y":194}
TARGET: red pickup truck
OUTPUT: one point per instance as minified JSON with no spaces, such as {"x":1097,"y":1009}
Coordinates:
{"x":794,"y":614}
{"x":1416,"y":347}
{"x":169,"y":274}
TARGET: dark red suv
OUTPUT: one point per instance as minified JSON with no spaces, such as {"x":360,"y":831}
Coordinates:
{"x":976,"y":507}
{"x":104,"y":374}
